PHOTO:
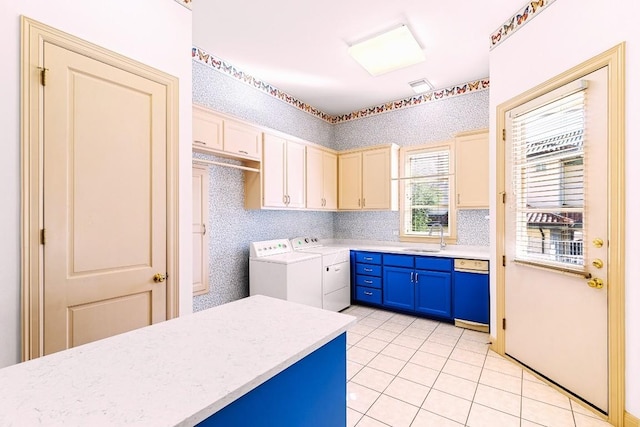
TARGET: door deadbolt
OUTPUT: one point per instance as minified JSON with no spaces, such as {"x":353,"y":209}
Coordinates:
{"x":598,"y":242}
{"x":159,"y":278}
{"x":595,"y":283}
{"x":597,"y":263}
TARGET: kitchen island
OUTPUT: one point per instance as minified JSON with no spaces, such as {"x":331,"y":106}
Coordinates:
{"x":255,"y":361}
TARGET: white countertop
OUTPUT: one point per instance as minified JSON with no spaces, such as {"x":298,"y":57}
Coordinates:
{"x":450,"y":251}
{"x":174,"y":373}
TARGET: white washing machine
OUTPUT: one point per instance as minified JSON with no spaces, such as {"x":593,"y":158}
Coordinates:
{"x":336,"y":271}
{"x":275,"y":270}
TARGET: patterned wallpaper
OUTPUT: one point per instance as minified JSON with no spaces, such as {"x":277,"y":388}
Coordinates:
{"x":232,"y":227}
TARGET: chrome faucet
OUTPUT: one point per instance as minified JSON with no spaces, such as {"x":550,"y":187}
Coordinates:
{"x":437,"y":224}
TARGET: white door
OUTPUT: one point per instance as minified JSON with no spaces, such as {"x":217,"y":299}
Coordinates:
{"x":105,"y":144}
{"x":556,"y":215}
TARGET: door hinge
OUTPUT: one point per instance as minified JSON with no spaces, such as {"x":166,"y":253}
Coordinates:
{"x":504,"y":323}
{"x":43,"y":75}
{"x":504,"y":260}
{"x":43,"y":236}
{"x":504,"y":134}
{"x":504,"y":197}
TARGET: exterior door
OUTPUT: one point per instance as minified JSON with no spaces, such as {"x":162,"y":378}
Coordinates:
{"x":105,"y":148}
{"x":556,"y":239}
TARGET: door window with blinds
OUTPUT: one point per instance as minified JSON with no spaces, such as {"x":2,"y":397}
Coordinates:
{"x":427,"y":185}
{"x":548,"y":179}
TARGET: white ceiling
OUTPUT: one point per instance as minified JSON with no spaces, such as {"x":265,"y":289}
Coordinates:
{"x":300,"y":46}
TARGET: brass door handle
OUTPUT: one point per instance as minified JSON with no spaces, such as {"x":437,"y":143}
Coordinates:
{"x":598,"y":242}
{"x":159,"y":277}
{"x":595,"y":283}
{"x":597,"y":263}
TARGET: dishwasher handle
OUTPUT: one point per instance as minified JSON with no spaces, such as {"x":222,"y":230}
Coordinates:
{"x":466,"y":270}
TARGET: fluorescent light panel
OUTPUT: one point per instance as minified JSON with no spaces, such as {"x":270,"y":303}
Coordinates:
{"x":388,"y":51}
{"x":421,"y":86}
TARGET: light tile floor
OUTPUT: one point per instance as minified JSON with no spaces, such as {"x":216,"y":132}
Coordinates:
{"x":409,"y":371}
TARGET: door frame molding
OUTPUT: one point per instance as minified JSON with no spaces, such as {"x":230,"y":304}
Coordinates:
{"x":33,"y":36}
{"x":614,"y":58}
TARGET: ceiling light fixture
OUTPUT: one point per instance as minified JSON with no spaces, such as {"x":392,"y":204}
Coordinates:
{"x":421,"y":86}
{"x":388,"y":51}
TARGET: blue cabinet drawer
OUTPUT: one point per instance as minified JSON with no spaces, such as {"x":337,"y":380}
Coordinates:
{"x":434,"y":263}
{"x":398,"y":260}
{"x":370,"y":281}
{"x":368,"y":258}
{"x":368,"y":269}
{"x":373,"y":296}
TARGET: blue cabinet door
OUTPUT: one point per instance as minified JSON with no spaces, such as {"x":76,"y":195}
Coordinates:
{"x":471,"y":297}
{"x":398,"y":288}
{"x":433,"y":293}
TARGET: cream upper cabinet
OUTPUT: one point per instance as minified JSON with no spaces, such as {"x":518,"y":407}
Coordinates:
{"x":322,"y":179}
{"x":472,"y":170}
{"x":207,"y":130}
{"x":366,"y":179}
{"x":350,"y":181}
{"x":242,"y":139}
{"x":225,"y":137}
{"x":283,"y":173}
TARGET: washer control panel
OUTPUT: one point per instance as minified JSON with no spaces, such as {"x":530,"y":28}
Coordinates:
{"x":269,"y":247}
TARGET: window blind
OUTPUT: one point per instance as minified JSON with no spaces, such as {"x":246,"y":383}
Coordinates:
{"x":549,"y":181}
{"x":427,"y":184}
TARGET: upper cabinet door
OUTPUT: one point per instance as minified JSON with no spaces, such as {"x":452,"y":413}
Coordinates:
{"x":350,"y":181}
{"x":242,"y":140}
{"x":273,"y":171}
{"x":315,"y":178}
{"x":207,"y":130}
{"x":472,"y":170}
{"x":295,"y":175}
{"x":330,"y":179}
{"x":376,"y":179}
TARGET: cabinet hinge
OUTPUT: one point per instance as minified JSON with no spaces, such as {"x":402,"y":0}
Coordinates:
{"x":504,"y":134}
{"x":43,"y":75}
{"x":504,"y":260}
{"x":504,"y":323}
{"x":43,"y":236}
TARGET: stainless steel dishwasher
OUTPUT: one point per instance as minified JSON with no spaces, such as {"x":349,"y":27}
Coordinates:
{"x":471,"y":294}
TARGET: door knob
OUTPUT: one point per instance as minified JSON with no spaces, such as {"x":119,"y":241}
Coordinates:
{"x":598,"y":242}
{"x":159,"y":277}
{"x":597,"y":263}
{"x":595,"y":283}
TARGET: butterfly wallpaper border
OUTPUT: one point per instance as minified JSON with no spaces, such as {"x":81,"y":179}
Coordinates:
{"x":199,"y":55}
{"x":529,"y":11}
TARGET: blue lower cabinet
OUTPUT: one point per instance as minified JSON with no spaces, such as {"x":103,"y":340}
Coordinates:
{"x":369,"y":295}
{"x":398,"y":288}
{"x":310,"y":393}
{"x":418,"y":291}
{"x":433,"y":293}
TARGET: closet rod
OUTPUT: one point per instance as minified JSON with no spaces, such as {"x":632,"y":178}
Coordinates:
{"x":228,"y":165}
